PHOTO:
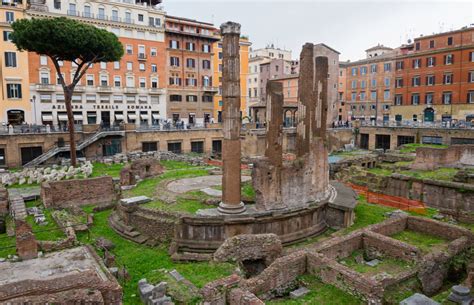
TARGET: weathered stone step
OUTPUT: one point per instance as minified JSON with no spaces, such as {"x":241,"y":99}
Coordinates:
{"x":123,"y":230}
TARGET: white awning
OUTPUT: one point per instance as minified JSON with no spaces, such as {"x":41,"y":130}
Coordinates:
{"x":78,"y":117}
{"x":92,"y":115}
{"x":47,"y":117}
{"x":62,"y":117}
{"x":144,"y":116}
{"x":119,"y":117}
{"x":132,"y":116}
{"x":155,"y":116}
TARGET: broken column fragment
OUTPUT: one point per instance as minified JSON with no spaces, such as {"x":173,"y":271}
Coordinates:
{"x":231,"y":199}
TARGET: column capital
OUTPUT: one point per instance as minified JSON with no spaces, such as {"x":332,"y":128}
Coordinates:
{"x":230,"y":28}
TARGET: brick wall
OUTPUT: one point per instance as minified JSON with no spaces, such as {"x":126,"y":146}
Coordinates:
{"x":77,"y":192}
{"x":433,"y":227}
{"x":432,"y":158}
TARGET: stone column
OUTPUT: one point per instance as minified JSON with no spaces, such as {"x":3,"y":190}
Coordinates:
{"x":231,"y":203}
{"x":321,"y":84}
{"x":273,"y":150}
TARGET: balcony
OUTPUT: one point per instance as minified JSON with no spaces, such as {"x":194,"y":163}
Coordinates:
{"x":115,"y":18}
{"x":79,"y":89}
{"x":45,"y":88}
{"x":87,"y":15}
{"x":129,"y":20}
{"x":73,"y":13}
{"x":104,"y":89}
{"x":156,"y":91}
{"x":142,"y":56}
{"x":132,"y":90}
{"x":210,"y":89}
{"x":101,"y":17}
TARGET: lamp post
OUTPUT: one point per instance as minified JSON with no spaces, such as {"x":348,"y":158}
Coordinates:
{"x":33,"y":100}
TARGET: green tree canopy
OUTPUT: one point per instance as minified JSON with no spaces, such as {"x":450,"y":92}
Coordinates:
{"x":66,"y":39}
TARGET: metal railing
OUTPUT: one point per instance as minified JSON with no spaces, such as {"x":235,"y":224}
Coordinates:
{"x":419,"y":124}
{"x":31,"y":128}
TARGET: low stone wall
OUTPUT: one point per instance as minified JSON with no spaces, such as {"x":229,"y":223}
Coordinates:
{"x":428,"y":158}
{"x":141,"y":168}
{"x":61,"y":194}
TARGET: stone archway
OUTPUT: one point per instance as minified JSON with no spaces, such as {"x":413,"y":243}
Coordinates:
{"x":428,"y":114}
{"x":288,"y":118}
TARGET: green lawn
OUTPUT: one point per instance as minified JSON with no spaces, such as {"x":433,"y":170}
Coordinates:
{"x":387,"y":264}
{"x":181,"y":205}
{"x":49,"y":231}
{"x":102,"y":169}
{"x":143,"y":261}
{"x":424,"y":241}
{"x":380,"y":171}
{"x":321,"y":293}
{"x":7,"y":243}
{"x":411,"y":148}
{"x":446,"y":174}
{"x":367,"y":214}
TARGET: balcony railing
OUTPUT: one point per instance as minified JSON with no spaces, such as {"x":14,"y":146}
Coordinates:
{"x":115,"y":18}
{"x":102,"y":17}
{"x":130,"y":90}
{"x":142,"y":56}
{"x":87,"y":15}
{"x":72,"y":13}
{"x":45,"y":87}
{"x":104,"y":89}
{"x":210,"y":88}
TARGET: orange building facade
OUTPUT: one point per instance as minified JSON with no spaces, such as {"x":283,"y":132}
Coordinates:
{"x":434,"y":78}
{"x":189,"y":70}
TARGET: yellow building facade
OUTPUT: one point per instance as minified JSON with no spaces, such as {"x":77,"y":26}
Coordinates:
{"x":15,"y":104}
{"x":217,"y":77}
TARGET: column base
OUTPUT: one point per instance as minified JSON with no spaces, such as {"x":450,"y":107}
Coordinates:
{"x":231,"y":208}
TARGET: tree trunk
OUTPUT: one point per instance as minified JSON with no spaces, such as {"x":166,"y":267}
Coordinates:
{"x":70,"y":119}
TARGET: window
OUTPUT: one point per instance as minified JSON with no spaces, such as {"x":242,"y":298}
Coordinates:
{"x":10,"y":59}
{"x":398,"y":99}
{"x":115,"y":16}
{"x":149,"y":146}
{"x":175,"y":79}
{"x":353,"y":96}
{"x":140,"y":17}
{"x":116,"y":65}
{"x":207,"y":98}
{"x":141,"y":66}
{"x":101,"y":14}
{"x":416,"y":81}
{"x":429,"y":98}
{"x":417,"y":46}
{"x":6,"y":35}
{"x":450,"y":41}
{"x":197,"y":147}
{"x":354,"y":84}
{"x":387,"y":67}
{"x":415,"y":99}
{"x":191,"y":98}
{"x":448,"y":59}
{"x":363,"y":70}
{"x":373,"y":83}
{"x":129,"y":49}
{"x":10,"y":17}
{"x":190,"y":46}
{"x":470,"y":77}
{"x":362,"y":84}
{"x":386,"y":95}
{"x":154,"y":68}
{"x":153,"y":52}
{"x":174,"y":61}
{"x":471,"y":56}
{"x":386,"y":107}
{"x":14,"y":90}
{"x":373,"y":68}
{"x":399,"y":65}
{"x":431,"y":61}
{"x":58,"y":79}
{"x":416,"y":63}
{"x":154,"y":82}
{"x":190,"y":63}
{"x":430,"y":80}
{"x":206,"y":81}
{"x":44,"y":78}
{"x":373,"y":95}
{"x":174,"y":44}
{"x":447,"y":79}
{"x":362,"y":96}
{"x":387,"y":82}
{"x":176,"y":98}
{"x":206,"y":64}
{"x":372,"y":107}
{"x":104,"y":80}
{"x":470,"y":97}
{"x":57,"y":4}
{"x":447,"y":97}
{"x":398,"y":82}
{"x":174,"y":147}
{"x":72,"y":10}
{"x":354,"y":71}
{"x":191,"y":81}
{"x":129,"y":66}
{"x":142,"y":82}
{"x":206,"y":48}
{"x":87,"y":11}
{"x":43,"y":60}
{"x":103,"y":65}
{"x":89,"y":80}
{"x":128,"y":17}
{"x":432,"y":44}
{"x":117,"y":81}
{"x":130,"y":81}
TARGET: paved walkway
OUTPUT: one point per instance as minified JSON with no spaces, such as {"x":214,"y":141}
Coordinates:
{"x":190,"y":184}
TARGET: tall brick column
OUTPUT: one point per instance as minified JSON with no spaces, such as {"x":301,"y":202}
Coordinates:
{"x":231,"y":203}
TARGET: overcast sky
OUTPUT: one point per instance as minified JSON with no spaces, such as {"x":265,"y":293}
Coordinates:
{"x":347,"y":26}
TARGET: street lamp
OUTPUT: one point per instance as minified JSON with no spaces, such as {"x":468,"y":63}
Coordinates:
{"x":33,"y":100}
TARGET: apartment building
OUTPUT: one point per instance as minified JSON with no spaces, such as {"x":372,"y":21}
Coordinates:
{"x":342,"y":115}
{"x":217,"y":79}
{"x":290,"y":99}
{"x":369,"y":85}
{"x":15,"y":105}
{"x":256,"y":58}
{"x":189,"y":69}
{"x":434,"y":78}
{"x":131,"y":90}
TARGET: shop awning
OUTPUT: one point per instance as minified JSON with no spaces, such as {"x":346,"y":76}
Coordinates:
{"x":47,"y":117}
{"x":92,"y":115}
{"x":119,"y":117}
{"x":144,"y":116}
{"x":155,"y":116}
{"x":78,"y":117}
{"x":132,"y":116}
{"x":62,"y":117}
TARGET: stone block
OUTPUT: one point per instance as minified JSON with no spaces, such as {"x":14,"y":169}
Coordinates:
{"x":135,"y":200}
{"x":298,"y":293}
{"x":418,"y":299}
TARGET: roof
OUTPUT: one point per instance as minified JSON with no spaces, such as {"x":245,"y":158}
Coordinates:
{"x":463,"y":29}
{"x":328,"y":47}
{"x":378,"y":47}
{"x":176,"y":18}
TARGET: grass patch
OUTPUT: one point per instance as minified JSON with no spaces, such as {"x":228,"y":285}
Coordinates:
{"x":247,"y":190}
{"x":141,"y":261}
{"x":181,"y":205}
{"x":49,"y":231}
{"x":397,"y":293}
{"x":411,"y":148}
{"x":424,"y":241}
{"x":7,"y":243}
{"x":171,"y":164}
{"x":320,"y":294}
{"x":367,"y":214}
{"x":102,"y":169}
{"x":444,"y":173}
{"x":388,"y":264}
{"x":380,"y":171}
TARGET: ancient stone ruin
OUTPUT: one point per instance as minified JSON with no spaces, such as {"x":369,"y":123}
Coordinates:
{"x":139,"y":169}
{"x":305,"y":179}
{"x":428,"y":158}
